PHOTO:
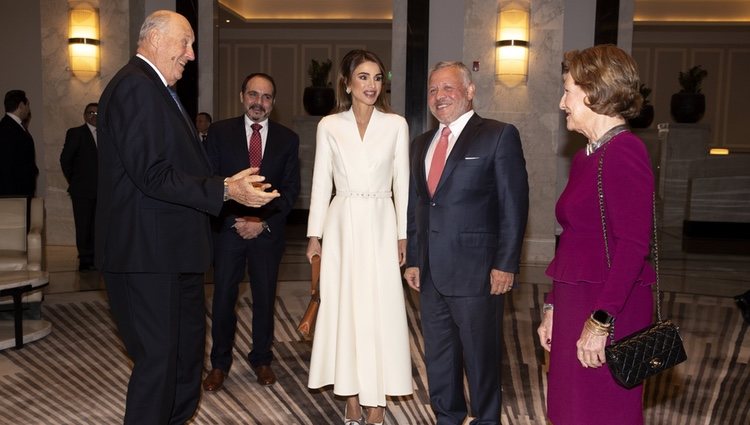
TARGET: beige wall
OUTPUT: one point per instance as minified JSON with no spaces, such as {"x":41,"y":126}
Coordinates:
{"x":65,"y":97}
{"x":532,"y":107}
{"x":662,"y":51}
{"x":284,"y":53}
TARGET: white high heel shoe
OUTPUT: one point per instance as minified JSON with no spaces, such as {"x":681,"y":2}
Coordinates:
{"x":348,"y":421}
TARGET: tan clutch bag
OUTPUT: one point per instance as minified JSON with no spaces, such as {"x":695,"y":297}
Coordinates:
{"x":307,"y":324}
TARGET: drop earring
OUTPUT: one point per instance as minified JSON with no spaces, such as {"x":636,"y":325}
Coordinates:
{"x":348,"y":90}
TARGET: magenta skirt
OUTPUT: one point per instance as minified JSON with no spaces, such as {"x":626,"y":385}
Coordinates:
{"x":581,"y":396}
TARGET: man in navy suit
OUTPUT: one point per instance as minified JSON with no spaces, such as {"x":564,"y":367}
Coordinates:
{"x":78,"y":161}
{"x":153,"y":235}
{"x":18,"y":169}
{"x":250,"y":238}
{"x":468,"y":205}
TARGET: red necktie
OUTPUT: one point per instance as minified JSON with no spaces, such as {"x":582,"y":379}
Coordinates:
{"x":255,"y":150}
{"x":438,"y":161}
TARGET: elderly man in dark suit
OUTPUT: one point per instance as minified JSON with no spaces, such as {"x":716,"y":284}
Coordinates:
{"x":18,"y":170}
{"x":467,"y":213}
{"x":251,"y":238}
{"x":153,"y":236}
{"x":78,"y":162}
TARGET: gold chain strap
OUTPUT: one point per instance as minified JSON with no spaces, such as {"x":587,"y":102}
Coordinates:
{"x":655,"y":250}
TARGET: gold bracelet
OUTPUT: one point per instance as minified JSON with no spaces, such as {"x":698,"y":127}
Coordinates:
{"x":598,"y":325}
{"x":596,"y":328}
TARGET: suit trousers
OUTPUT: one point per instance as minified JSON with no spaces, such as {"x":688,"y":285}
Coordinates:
{"x":232,"y":255}
{"x":462,"y":332}
{"x":161,"y":319}
{"x":84,"y":211}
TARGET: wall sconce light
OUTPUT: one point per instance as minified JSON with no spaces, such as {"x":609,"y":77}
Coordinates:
{"x":83,"y":42}
{"x":512,"y":45}
{"x":718,"y":151}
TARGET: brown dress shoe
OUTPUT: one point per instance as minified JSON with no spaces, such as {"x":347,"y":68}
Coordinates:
{"x":214,"y":380}
{"x":265,"y":374}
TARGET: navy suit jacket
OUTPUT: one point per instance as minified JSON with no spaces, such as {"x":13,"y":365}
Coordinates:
{"x":156,"y":187}
{"x":227,"y":150}
{"x":18,"y":169}
{"x":477,"y":218}
{"x":78,"y":161}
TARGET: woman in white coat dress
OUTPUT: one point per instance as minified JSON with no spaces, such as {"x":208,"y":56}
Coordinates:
{"x":361,"y":343}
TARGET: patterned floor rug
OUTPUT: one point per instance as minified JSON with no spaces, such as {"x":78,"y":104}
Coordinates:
{"x":78,"y":374}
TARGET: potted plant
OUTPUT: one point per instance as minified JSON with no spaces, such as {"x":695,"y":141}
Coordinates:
{"x":319,"y":97}
{"x":689,"y":104}
{"x":646,"y":116}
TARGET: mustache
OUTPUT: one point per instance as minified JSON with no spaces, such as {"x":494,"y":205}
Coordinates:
{"x":256,"y":107}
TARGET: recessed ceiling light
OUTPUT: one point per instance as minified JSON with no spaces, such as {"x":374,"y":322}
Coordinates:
{"x":227,"y":21}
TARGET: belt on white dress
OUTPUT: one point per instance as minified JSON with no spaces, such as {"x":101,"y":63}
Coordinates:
{"x":348,"y":194}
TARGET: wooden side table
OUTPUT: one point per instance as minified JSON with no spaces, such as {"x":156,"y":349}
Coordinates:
{"x":15,"y":284}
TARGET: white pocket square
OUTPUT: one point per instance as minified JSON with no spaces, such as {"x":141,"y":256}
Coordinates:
{"x":469,"y":158}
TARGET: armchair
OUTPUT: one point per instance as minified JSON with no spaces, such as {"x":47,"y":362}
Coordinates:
{"x":19,"y":249}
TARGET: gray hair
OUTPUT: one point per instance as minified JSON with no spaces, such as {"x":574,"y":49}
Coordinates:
{"x":465,"y":73}
{"x":158,"y":20}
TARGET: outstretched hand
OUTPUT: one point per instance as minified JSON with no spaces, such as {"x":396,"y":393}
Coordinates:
{"x":247,"y":188}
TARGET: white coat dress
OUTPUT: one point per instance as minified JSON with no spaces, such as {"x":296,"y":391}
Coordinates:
{"x":361,"y":342}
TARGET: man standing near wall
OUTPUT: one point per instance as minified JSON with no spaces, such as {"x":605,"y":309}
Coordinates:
{"x":202,"y":122}
{"x":18,"y":169}
{"x":153,"y":236}
{"x":78,"y":161}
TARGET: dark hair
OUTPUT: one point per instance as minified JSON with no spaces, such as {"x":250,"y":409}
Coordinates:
{"x":90,"y":105}
{"x":207,"y":115}
{"x":351,"y":61}
{"x":609,"y":78}
{"x":262,"y":75}
{"x":13,"y":98}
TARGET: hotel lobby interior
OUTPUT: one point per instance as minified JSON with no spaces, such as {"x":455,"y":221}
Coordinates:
{"x":72,"y":368}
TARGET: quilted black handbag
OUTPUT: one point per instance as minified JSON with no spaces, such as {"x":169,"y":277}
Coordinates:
{"x":648,"y":351}
{"x":645,"y":353}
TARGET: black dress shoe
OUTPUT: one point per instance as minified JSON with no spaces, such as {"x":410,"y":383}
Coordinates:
{"x":743,"y":302}
{"x":265,"y":374}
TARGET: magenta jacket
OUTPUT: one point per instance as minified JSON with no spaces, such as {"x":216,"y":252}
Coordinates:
{"x":628,"y":187}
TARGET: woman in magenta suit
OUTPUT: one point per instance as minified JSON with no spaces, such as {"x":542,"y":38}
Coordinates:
{"x":590,"y":300}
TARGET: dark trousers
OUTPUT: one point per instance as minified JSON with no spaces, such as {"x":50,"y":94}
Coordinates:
{"x":161,"y":319}
{"x":261,"y":257}
{"x":84,"y":211}
{"x":462,"y":332}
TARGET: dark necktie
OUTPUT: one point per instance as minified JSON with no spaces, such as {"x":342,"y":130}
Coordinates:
{"x":176,"y":98}
{"x":438,"y":161}
{"x":255,"y":147}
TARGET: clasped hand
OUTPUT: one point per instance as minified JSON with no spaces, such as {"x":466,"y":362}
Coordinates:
{"x":248,"y":227}
{"x":247,"y":188}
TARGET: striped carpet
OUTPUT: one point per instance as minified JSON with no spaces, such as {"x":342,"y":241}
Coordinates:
{"x":78,"y":374}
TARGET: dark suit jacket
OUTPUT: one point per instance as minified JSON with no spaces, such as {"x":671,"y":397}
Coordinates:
{"x":476,"y":220}
{"x":78,"y":161}
{"x":155,"y":180}
{"x":227,"y":150}
{"x":18,"y":169}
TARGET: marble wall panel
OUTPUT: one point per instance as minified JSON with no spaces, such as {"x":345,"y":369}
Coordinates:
{"x":531,"y":106}
{"x":65,"y":97}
